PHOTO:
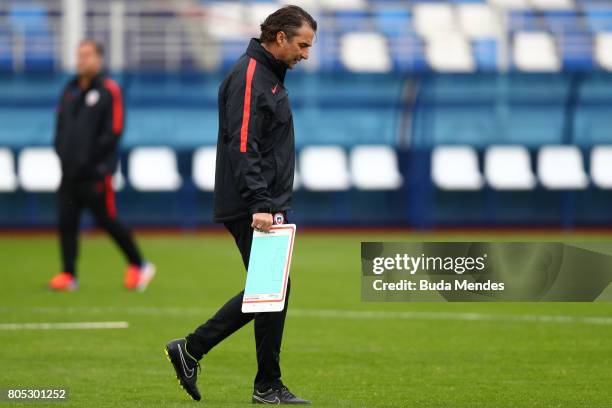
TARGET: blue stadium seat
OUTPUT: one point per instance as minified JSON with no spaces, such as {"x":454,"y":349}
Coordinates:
{"x":351,"y":20}
{"x":576,"y":51}
{"x":526,"y":20}
{"x":599,"y":19}
{"x":30,"y":21}
{"x":564,"y":22}
{"x":485,"y":54}
{"x":393,"y":22}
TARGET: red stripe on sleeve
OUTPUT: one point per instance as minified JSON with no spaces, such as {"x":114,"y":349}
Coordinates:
{"x":111,"y":209}
{"x":246,"y":114}
{"x":117,"y":104}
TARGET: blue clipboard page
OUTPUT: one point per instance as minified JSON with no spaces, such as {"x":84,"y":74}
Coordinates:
{"x":266,"y":283}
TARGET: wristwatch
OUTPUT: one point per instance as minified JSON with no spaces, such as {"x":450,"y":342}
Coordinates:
{"x":262,"y":210}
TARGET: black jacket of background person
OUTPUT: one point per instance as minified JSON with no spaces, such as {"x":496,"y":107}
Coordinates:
{"x":89,"y":124}
{"x":255,"y":147}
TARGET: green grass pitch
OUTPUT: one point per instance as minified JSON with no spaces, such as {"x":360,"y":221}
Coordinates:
{"x":334,"y":351}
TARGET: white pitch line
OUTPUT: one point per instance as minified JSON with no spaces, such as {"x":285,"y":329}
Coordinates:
{"x":325,"y":313}
{"x":64,"y":326}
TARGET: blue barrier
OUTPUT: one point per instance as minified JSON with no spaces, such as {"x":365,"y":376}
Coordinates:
{"x":479,"y":110}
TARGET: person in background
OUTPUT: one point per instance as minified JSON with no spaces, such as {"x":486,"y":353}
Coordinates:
{"x":90,"y":121}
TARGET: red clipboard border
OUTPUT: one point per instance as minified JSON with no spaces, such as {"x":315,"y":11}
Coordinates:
{"x":282,"y":299}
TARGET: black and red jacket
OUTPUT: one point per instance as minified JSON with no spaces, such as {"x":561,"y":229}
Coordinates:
{"x":256,"y":146}
{"x":89,"y":125}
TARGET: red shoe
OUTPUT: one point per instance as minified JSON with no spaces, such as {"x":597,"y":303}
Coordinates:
{"x":132,"y":276}
{"x":138,"y":278}
{"x":63,"y":282}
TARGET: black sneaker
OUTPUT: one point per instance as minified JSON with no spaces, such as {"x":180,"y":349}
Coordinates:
{"x":277,"y":395}
{"x":186,"y":367}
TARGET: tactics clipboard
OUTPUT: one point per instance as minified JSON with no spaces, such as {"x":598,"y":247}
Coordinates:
{"x":266,"y":283}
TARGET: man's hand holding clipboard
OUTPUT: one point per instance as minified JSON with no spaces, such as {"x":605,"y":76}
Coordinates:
{"x":268,"y":273}
{"x":262,"y":222}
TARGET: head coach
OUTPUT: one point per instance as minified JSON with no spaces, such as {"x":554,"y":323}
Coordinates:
{"x":253,"y":189}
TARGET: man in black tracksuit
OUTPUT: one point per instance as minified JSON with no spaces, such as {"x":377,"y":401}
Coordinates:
{"x":90,"y":119}
{"x":253,"y":189}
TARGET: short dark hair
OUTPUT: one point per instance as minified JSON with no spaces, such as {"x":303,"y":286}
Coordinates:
{"x":97,"y":46}
{"x":288,"y":19}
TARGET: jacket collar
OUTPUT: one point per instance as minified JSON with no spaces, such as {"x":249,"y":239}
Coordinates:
{"x":263,"y":56}
{"x":96,"y":81}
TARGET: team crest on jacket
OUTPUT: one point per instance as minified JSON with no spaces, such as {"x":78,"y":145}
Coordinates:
{"x":279,"y":219}
{"x":92,"y":97}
